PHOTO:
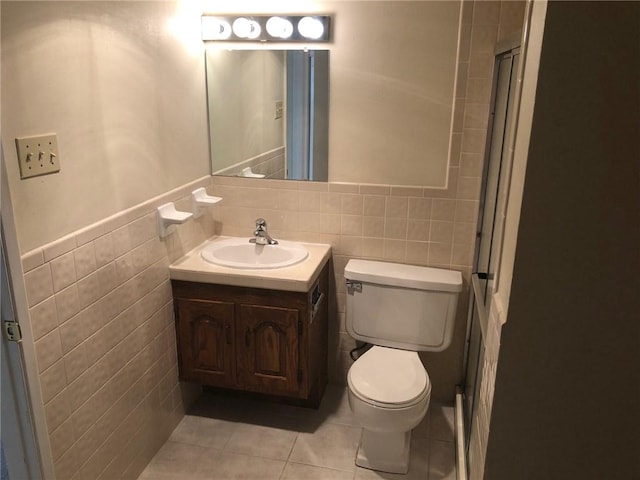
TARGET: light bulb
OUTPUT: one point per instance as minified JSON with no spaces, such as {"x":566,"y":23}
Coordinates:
{"x":311,"y":28}
{"x":215,"y":28}
{"x":279,"y":27}
{"x":245,"y":28}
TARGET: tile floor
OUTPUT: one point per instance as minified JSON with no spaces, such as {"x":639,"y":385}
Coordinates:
{"x":225,"y":438}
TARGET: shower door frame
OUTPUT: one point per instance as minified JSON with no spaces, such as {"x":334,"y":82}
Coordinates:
{"x":479,"y":298}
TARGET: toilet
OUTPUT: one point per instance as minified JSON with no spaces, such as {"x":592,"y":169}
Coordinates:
{"x":400,"y":310}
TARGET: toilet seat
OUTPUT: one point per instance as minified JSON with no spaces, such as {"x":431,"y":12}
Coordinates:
{"x":389,"y":378}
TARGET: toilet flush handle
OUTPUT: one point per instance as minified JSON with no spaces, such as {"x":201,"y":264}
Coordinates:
{"x":353,"y":286}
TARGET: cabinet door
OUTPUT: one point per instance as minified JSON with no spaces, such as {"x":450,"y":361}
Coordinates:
{"x":267,"y":343}
{"x":205,"y":336}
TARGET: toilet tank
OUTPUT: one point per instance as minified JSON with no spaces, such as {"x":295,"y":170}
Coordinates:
{"x":401,"y":306}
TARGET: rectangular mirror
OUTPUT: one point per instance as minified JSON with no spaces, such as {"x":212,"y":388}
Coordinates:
{"x":268,"y":113}
{"x":392,"y":76}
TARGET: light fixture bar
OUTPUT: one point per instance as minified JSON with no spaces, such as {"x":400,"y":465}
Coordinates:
{"x":266,"y":28}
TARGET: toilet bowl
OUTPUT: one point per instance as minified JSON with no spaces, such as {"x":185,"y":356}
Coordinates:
{"x":389,"y":392}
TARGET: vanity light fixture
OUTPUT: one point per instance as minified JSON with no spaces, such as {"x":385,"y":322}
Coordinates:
{"x":266,"y":28}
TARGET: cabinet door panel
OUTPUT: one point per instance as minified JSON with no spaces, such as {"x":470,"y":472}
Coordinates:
{"x":270,"y":351}
{"x":205,"y":330}
{"x":268,"y":356}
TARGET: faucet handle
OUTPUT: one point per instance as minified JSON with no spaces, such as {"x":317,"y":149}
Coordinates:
{"x":261,"y":223}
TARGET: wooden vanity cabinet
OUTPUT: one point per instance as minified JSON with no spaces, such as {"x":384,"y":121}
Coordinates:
{"x":269,"y":342}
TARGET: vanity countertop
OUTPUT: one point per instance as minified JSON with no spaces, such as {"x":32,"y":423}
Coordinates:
{"x":295,"y":278}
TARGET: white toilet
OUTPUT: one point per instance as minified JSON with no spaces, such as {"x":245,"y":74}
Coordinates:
{"x":400,"y":310}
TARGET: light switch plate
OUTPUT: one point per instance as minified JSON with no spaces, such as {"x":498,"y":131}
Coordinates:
{"x":38,"y":155}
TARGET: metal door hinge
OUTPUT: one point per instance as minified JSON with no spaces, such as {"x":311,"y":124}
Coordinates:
{"x":12,"y":331}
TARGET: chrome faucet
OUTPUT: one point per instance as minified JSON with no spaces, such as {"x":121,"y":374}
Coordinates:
{"x":261,"y":235}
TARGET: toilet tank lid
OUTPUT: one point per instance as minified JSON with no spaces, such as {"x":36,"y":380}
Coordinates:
{"x":401,"y":275}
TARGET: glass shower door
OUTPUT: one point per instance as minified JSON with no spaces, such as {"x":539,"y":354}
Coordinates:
{"x":490,"y":225}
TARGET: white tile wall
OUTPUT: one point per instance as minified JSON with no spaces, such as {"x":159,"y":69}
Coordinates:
{"x":101,"y":313}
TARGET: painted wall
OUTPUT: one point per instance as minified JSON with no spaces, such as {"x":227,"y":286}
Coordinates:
{"x":392,"y":92}
{"x":125,"y":97}
{"x":566,"y":388}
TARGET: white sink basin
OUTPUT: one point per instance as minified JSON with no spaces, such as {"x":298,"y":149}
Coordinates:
{"x":239,"y":253}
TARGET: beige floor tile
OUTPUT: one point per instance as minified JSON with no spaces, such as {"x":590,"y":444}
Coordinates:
{"x":173,"y":461}
{"x":423,"y":428}
{"x":166,"y":472}
{"x":176,"y":452}
{"x":203,"y":431}
{"x":255,"y":412}
{"x":335,"y":407}
{"x":298,"y":471}
{"x":442,"y":460}
{"x":261,"y":441}
{"x":331,"y":446}
{"x":442,"y":422}
{"x":239,"y":410}
{"x":226,"y":438}
{"x":230,"y":466}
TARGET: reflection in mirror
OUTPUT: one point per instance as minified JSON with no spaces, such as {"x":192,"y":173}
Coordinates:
{"x":268,"y":113}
